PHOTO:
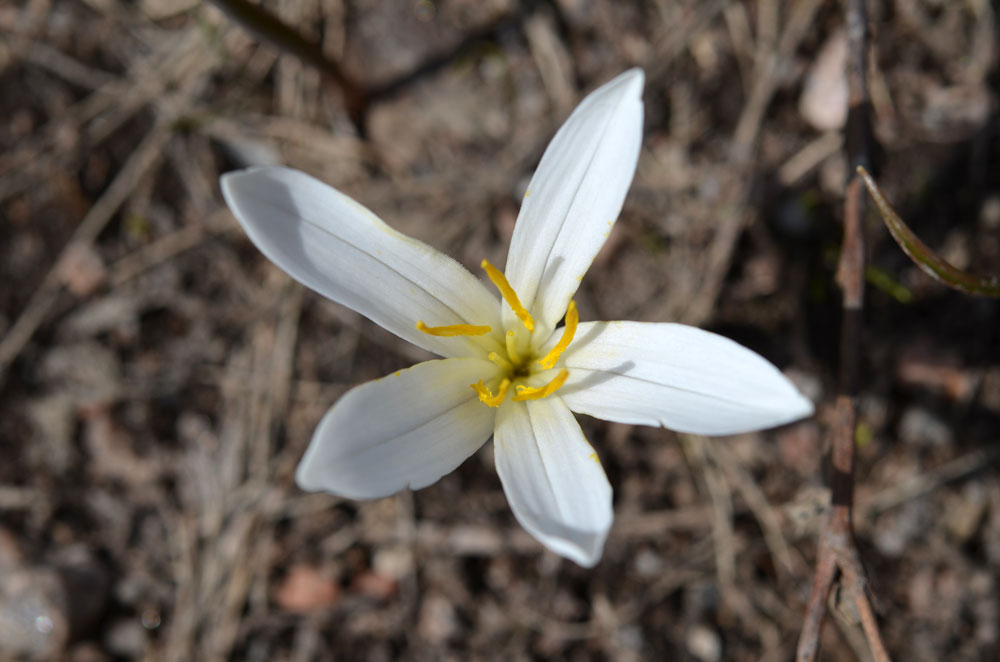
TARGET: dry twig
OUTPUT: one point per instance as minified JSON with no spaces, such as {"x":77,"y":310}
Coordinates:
{"x":837,"y":550}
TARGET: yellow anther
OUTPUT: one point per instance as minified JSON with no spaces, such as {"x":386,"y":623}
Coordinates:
{"x":453,"y":330}
{"x":572,"y":319}
{"x":509,"y":295}
{"x":487,"y":397}
{"x":504,"y":364}
{"x":531,"y":393}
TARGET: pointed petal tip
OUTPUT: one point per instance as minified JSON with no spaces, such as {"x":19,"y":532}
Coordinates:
{"x":232,"y":177}
{"x":802,"y":407}
{"x":303,"y":480}
{"x":335,"y":246}
{"x":555,"y":489}
{"x":634,"y":76}
{"x":584,"y":548}
{"x":402,"y":431}
{"x":680,"y":377}
{"x":584,"y":556}
{"x":628,"y":84}
{"x":792,"y":405}
{"x":237,"y":182}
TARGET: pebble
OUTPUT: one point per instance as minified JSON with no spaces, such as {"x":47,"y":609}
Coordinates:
{"x":704,"y":643}
{"x":825,"y":94}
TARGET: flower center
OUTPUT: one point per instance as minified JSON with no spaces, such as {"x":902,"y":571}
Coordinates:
{"x":518,"y":363}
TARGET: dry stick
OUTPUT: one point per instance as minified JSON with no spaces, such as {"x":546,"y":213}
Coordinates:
{"x":837,"y":550}
{"x":357,"y":97}
{"x":268,"y":26}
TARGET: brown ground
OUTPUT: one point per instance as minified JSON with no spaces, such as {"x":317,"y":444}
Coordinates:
{"x":159,"y":379}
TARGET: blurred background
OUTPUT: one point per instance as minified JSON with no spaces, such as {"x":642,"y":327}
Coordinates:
{"x":159,"y":379}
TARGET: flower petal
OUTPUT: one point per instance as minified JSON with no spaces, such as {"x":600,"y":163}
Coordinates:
{"x":334,"y":245}
{"x":677,"y":376}
{"x":553,"y":480}
{"x":405,"y":430}
{"x":574,"y":198}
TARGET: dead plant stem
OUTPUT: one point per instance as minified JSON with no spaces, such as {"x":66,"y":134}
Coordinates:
{"x":837,"y":557}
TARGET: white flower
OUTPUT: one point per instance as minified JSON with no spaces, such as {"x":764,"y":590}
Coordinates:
{"x":507,"y":370}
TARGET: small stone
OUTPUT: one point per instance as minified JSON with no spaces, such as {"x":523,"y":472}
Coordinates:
{"x":989,"y":214}
{"x":825,"y":94}
{"x":82,"y":270}
{"x":33,"y":621}
{"x":704,"y":643}
{"x":648,"y":564}
{"x":393,"y":562}
{"x":305,"y":589}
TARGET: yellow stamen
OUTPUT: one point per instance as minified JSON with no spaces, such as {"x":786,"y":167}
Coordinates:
{"x":504,"y":364}
{"x":453,"y":330}
{"x":509,"y":295}
{"x":512,"y":352}
{"x":531,"y":393}
{"x":572,"y":319}
{"x":487,"y":397}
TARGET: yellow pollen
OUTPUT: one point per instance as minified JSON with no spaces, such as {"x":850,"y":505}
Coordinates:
{"x":453,"y":330}
{"x":531,"y":393}
{"x":509,"y":295}
{"x":501,"y":361}
{"x":572,"y":319}
{"x":487,"y":397}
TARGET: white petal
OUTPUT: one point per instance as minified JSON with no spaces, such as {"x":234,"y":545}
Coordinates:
{"x":334,"y":245}
{"x":553,"y":480}
{"x":405,"y":430}
{"x":677,"y":376}
{"x":574,"y":198}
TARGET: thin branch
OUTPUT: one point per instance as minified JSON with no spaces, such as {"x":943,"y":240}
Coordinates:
{"x":837,"y":552}
{"x":272,"y":29}
{"x":358,"y":98}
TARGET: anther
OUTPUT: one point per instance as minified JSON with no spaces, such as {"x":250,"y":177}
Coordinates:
{"x":572,"y":319}
{"x":509,"y":295}
{"x":453,"y":330}
{"x":531,"y":393}
{"x":487,"y":397}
